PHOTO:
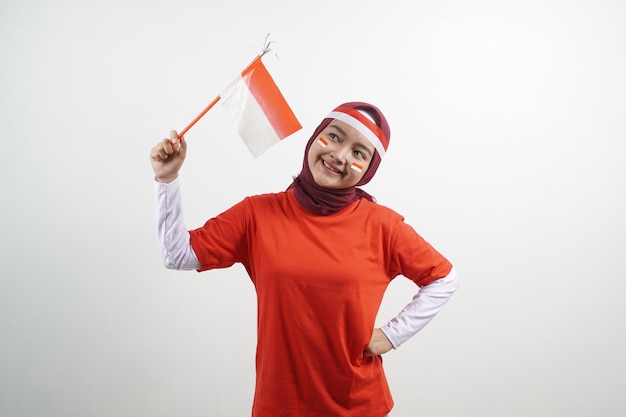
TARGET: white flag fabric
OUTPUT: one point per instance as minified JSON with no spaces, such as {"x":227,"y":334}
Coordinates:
{"x":259,"y":111}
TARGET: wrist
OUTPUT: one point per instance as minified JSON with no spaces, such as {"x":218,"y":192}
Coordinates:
{"x":165,"y":179}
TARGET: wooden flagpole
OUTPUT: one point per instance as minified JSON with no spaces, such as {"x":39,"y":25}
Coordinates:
{"x":266,"y":49}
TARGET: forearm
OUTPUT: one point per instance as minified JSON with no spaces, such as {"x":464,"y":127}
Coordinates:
{"x":176,"y":249}
{"x":428,"y":301}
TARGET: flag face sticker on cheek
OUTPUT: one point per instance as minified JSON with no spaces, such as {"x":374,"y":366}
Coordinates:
{"x":358,"y":168}
{"x":322,"y":142}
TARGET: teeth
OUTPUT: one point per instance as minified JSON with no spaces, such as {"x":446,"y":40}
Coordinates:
{"x":329,"y":167}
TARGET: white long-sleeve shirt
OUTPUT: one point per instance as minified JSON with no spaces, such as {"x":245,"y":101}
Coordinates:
{"x":177,"y":253}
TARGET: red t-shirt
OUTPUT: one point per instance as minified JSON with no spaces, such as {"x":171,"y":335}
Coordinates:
{"x":319,"y":282}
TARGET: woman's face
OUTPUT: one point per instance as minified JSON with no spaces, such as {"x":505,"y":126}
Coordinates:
{"x":339,"y":156}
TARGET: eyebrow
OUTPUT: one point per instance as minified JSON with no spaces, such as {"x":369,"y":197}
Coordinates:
{"x":358,"y":144}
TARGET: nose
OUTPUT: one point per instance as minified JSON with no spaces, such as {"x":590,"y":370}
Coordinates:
{"x":340,"y":154}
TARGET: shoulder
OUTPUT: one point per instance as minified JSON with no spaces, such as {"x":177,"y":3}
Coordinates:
{"x":380,"y":211}
{"x":267,"y":201}
{"x":266,"y":198}
{"x":378,"y":218}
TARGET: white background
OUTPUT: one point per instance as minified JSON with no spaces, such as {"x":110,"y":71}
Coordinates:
{"x":508,"y":154}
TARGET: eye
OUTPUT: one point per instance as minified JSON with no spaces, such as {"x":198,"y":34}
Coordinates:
{"x":334,"y":137}
{"x":359,"y":154}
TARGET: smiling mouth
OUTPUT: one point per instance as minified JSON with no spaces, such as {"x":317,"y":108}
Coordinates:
{"x":331,"y":168}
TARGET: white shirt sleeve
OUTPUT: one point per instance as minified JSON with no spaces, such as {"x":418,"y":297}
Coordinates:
{"x":428,"y":301}
{"x":176,"y":249}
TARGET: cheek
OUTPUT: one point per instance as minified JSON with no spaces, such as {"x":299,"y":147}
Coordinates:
{"x":316,"y":149}
{"x":312,"y":155}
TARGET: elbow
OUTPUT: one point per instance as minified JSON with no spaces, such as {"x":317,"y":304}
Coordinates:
{"x":453,"y":279}
{"x":176,"y":264}
{"x":168,"y":264}
{"x":181,"y":261}
{"x":445,"y":286}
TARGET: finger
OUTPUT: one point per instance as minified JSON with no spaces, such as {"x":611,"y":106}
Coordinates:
{"x":162,"y":150}
{"x":163,"y":154}
{"x":158,"y":154}
{"x":174,"y":139}
{"x":166,"y":146}
{"x":182,"y":147}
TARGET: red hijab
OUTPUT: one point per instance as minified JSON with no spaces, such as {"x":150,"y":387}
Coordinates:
{"x":325,"y":201}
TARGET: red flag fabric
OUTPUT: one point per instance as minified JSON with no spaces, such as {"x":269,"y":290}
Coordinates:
{"x":259,"y":111}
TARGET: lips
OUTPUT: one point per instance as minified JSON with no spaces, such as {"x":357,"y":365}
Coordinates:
{"x":332,"y":168}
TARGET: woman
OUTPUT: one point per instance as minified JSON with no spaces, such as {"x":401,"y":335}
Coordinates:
{"x":320,"y":255}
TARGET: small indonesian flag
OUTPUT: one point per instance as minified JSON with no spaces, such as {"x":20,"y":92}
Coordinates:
{"x":358,"y":168}
{"x":261,"y":115}
{"x":322,"y":142}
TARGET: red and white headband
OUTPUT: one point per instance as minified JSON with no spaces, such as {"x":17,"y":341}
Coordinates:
{"x":364,"y":124}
